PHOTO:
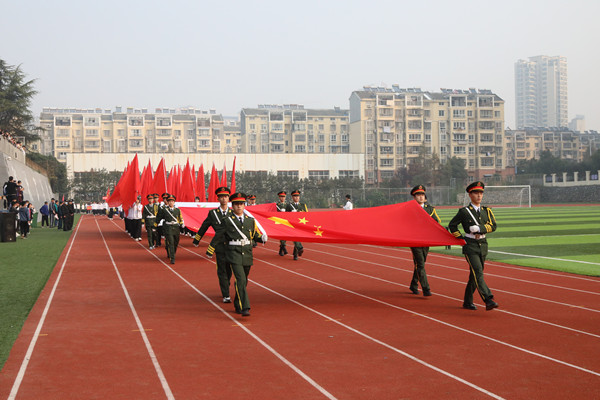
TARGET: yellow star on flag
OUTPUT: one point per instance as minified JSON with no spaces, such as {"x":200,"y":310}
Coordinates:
{"x":281,"y":221}
{"x":302,"y":220}
{"x":318,"y":232}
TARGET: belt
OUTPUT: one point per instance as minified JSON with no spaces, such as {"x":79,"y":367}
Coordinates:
{"x":471,"y":236}
{"x":172,"y":223}
{"x":151,"y":216}
{"x":242,"y":242}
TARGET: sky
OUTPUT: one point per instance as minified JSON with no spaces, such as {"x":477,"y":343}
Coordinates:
{"x":229,"y":55}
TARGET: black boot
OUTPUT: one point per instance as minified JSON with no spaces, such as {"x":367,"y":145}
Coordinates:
{"x":282,"y":251}
{"x":295,"y":254}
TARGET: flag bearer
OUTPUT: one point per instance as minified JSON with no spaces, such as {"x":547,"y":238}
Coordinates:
{"x":171,"y":221}
{"x":149,"y":218}
{"x":294,"y":206}
{"x":216,"y":219}
{"x":239,"y":231}
{"x":281,"y":207}
{"x":477,"y":221}
{"x":420,"y":253}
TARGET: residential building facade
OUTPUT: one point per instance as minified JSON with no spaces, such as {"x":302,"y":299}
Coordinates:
{"x":134,"y":131}
{"x":528,"y":144}
{"x":277,"y":129}
{"x":541,"y":98}
{"x":394,"y":127}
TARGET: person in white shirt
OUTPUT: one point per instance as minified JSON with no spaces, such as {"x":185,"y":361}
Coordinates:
{"x":135,"y":215}
{"x":348,"y":205}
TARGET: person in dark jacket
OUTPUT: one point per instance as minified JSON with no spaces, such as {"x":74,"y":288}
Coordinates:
{"x":24,"y":219}
{"x":45,"y":211}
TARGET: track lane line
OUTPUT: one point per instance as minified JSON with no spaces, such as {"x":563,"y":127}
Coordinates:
{"x":293,"y":367}
{"x":142,"y":330}
{"x":38,"y":329}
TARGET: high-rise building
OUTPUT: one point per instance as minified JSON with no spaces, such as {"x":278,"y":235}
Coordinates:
{"x":394,"y":127}
{"x":541,"y":98}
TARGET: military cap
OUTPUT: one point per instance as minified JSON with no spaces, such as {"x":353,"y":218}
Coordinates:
{"x":282,"y":193}
{"x":155,"y":195}
{"x":238,"y":197}
{"x":477,"y":186}
{"x":419,"y":189}
{"x":251,"y":197}
{"x":171,"y":197}
{"x":223,"y":190}
{"x":150,"y":196}
{"x":165,"y":195}
{"x":296,"y":193}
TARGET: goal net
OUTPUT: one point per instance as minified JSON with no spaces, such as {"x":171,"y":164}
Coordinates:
{"x":505,"y":196}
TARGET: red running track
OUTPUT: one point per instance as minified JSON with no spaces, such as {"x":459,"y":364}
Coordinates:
{"x":115,"y":321}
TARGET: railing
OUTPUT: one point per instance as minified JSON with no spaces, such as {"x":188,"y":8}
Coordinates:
{"x":571,"y":179}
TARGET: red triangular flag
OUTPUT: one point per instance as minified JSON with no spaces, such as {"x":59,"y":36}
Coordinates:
{"x":233,"y":177}
{"x":200,"y":188}
{"x":224,"y":177}
{"x":160,"y":178}
{"x":213,"y":184}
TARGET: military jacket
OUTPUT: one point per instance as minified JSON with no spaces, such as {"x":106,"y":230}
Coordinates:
{"x":431,"y":211}
{"x":149,"y":213}
{"x":239,"y":239}
{"x":281,"y":205}
{"x":467,"y":216}
{"x":293,"y":207}
{"x":214,"y":219}
{"x":171,"y":217}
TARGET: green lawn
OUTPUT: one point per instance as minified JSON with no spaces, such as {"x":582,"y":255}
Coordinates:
{"x":558,"y":238}
{"x":25,"y":266}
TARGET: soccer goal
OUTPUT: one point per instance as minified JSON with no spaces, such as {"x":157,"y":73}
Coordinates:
{"x":505,"y":196}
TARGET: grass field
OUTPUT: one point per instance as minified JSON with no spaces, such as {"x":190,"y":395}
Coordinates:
{"x":557,"y":238}
{"x":25,"y":266}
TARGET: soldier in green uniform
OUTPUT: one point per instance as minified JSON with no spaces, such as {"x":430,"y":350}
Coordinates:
{"x":296,"y":206}
{"x":239,"y":232}
{"x":281,"y":207}
{"x":420,"y":253}
{"x":215,"y":219}
{"x":170,"y":219}
{"x":477,"y":221}
{"x":149,"y":213}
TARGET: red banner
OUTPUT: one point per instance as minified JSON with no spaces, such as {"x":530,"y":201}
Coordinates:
{"x":403,"y":225}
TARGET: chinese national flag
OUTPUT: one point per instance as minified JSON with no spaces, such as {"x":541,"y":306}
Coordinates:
{"x":402,"y":225}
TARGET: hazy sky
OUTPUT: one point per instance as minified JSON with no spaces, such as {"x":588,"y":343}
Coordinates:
{"x":232,"y":54}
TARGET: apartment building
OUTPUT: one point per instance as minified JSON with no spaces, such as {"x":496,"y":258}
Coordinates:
{"x":291,"y":128}
{"x":135,"y":131}
{"x":527,"y":144}
{"x":394,"y":126}
{"x":541,"y":98}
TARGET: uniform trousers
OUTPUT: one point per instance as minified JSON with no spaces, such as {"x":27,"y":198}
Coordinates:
{"x":419,"y":275}
{"x":151,"y":231}
{"x":223,"y":270}
{"x":171,"y":240}
{"x":475,"y":252}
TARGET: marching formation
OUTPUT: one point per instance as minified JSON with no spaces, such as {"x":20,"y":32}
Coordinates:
{"x":236,"y":234}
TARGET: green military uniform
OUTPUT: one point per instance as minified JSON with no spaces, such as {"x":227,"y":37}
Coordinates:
{"x":419,"y":257}
{"x":149,"y":213}
{"x":216,"y":219}
{"x":476,"y":246}
{"x":171,"y":221}
{"x":281,"y":207}
{"x":238,"y":237}
{"x":297,"y":207}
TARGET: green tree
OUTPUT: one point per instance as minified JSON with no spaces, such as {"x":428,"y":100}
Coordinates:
{"x":16,"y":93}
{"x":453,"y":171}
{"x":57,"y":171}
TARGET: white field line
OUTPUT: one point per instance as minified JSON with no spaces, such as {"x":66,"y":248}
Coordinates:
{"x":498,"y":265}
{"x":454,"y":298}
{"x":38,"y":329}
{"x":157,"y":368}
{"x":332,"y":319}
{"x":240,"y":325}
{"x":545,"y":258}
{"x":487,"y":273}
{"x":434,"y":320}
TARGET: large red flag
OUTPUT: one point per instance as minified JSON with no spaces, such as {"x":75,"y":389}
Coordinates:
{"x":224,"y":177}
{"x":186,"y":192}
{"x":130,"y":188}
{"x":404,"y":224}
{"x":233,"y":177}
{"x":213,"y":184}
{"x":170,"y":180}
{"x":200,"y":189}
{"x":115,"y":198}
{"x":147,"y":181}
{"x":160,"y":178}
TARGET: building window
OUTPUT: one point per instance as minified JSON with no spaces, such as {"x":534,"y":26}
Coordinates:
{"x":62,"y":121}
{"x":162,"y":121}
{"x":136,"y":143}
{"x":300,"y":148}
{"x":333,"y":138}
{"x":135,"y":121}
{"x":288,"y":174}
{"x":459,"y":150}
{"x":61,"y":144}
{"x":318,"y":175}
{"x":458,"y":113}
{"x":386,"y":162}
{"x":92,"y":143}
{"x":458,"y":126}
{"x":414,"y":137}
{"x":348,"y":174}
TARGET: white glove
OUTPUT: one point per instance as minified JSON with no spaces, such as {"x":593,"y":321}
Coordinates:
{"x":474,"y":228}
{"x":161,"y":222}
{"x":182,"y":226}
{"x":265,"y":238}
